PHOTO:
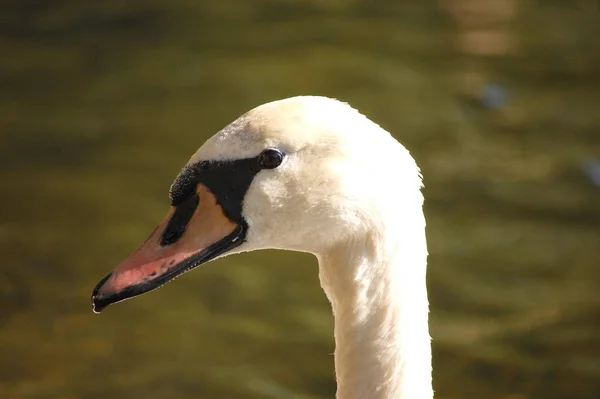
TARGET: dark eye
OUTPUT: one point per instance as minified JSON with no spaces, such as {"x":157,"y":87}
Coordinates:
{"x":270,"y":159}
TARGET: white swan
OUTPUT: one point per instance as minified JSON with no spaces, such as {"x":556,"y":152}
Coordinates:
{"x":309,"y":174}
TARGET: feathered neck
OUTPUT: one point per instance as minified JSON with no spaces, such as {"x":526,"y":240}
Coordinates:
{"x":377,"y":287}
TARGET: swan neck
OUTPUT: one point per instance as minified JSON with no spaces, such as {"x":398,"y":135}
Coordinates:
{"x":379,"y":300}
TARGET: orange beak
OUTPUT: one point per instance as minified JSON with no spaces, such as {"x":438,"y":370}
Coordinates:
{"x":193,"y":232}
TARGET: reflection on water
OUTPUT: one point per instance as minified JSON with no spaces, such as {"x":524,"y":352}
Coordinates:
{"x":101,"y":104}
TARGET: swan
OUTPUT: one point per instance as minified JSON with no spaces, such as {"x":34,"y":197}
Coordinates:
{"x":309,"y":174}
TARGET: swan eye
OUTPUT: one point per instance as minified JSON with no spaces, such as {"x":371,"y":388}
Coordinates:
{"x":270,"y":159}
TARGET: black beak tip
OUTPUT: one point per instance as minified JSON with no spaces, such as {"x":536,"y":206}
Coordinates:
{"x":99,"y":303}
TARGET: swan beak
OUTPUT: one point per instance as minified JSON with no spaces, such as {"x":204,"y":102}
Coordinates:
{"x":193,"y":232}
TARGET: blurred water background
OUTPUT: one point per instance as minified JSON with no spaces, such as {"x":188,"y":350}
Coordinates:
{"x":101,"y":103}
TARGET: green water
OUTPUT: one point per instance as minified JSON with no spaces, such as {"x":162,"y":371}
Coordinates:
{"x":101,"y":103}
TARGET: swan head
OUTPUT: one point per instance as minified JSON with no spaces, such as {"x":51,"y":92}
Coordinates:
{"x":302,"y":174}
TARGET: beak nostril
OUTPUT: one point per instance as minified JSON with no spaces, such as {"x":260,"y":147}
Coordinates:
{"x":171,"y":237}
{"x":179,"y":220}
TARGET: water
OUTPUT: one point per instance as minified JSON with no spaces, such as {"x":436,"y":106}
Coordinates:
{"x":101,"y":104}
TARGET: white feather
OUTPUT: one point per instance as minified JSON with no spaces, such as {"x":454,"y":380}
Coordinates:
{"x":349,"y":193}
